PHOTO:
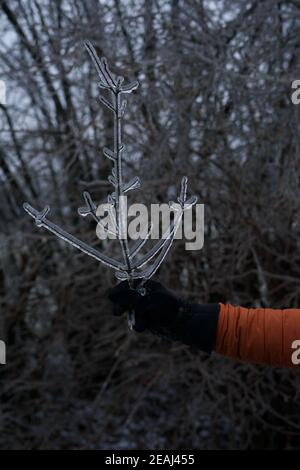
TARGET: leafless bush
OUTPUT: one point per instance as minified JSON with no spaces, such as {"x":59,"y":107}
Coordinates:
{"x":215,"y":105}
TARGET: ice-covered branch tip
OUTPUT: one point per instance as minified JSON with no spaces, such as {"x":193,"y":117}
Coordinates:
{"x":129,"y":268}
{"x":107,"y":80}
{"x":42,"y":221}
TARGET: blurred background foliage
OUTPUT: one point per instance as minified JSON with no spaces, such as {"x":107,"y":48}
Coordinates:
{"x":214,"y":104}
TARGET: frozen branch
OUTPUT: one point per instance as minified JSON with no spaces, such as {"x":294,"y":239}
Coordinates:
{"x":128,"y":269}
{"x":41,"y":221}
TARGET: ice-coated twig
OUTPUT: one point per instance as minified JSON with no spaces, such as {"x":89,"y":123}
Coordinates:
{"x":140,"y":243}
{"x":91,"y":209}
{"x":169,"y":235}
{"x":117,"y":106}
{"x":129,"y":269}
{"x":41,"y":221}
{"x":163,"y":246}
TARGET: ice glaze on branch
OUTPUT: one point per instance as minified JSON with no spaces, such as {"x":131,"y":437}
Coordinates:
{"x":128,"y":269}
{"x":41,"y":221}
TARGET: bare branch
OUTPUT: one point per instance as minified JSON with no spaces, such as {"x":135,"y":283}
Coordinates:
{"x":41,"y":221}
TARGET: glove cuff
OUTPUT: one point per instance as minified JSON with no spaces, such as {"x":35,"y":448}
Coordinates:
{"x":194,"y":324}
{"x":200,"y":326}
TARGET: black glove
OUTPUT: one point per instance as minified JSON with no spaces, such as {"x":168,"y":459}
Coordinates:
{"x":164,"y":314}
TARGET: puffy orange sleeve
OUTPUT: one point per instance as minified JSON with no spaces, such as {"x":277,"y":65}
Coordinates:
{"x":261,"y":335}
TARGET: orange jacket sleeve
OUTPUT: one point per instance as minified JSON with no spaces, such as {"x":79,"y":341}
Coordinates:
{"x":261,"y":335}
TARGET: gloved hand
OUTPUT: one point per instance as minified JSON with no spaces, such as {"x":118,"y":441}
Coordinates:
{"x":164,"y":314}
